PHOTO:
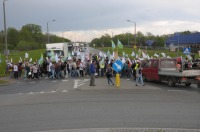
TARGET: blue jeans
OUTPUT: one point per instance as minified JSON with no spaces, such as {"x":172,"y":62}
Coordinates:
{"x":139,"y":78}
{"x":109,"y":80}
{"x":52,"y":74}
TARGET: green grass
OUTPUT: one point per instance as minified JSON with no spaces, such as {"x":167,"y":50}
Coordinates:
{"x":148,"y":51}
{"x":34,"y":54}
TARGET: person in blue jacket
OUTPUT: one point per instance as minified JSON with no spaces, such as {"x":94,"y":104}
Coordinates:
{"x":92,"y":73}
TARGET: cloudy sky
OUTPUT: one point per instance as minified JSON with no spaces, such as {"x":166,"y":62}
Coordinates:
{"x":83,"y":20}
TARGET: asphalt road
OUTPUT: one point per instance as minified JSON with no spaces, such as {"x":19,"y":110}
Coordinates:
{"x":43,"y":105}
{"x":63,"y":104}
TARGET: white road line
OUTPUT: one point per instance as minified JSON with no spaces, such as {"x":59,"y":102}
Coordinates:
{"x":46,"y":78}
{"x":31,"y":82}
{"x":52,"y":91}
{"x":31,"y":93}
{"x":78,"y":83}
{"x":42,"y":92}
{"x":54,"y":81}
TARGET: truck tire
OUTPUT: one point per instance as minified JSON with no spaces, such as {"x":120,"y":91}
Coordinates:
{"x":171,"y":82}
{"x":144,"y":78}
{"x":187,"y":84}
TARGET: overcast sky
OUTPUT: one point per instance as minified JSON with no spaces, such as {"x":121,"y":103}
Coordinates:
{"x":87,"y":19}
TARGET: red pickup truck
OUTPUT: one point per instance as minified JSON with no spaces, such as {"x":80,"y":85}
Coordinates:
{"x":167,"y":70}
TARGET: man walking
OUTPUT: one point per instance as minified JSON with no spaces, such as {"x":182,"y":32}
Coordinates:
{"x":92,"y":73}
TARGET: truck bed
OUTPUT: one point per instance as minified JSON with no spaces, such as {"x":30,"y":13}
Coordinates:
{"x":177,"y":73}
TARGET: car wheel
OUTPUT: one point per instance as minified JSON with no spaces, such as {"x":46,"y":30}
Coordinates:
{"x":187,"y":84}
{"x":171,"y":82}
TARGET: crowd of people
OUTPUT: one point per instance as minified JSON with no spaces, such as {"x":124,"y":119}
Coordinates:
{"x":74,"y":68}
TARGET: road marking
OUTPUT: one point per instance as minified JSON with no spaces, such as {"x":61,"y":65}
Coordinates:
{"x":31,"y":82}
{"x":127,"y":79}
{"x":54,"y":81}
{"x":52,"y":91}
{"x":64,"y":91}
{"x":46,"y":78}
{"x":78,"y":83}
{"x":42,"y":92}
{"x":19,"y":82}
{"x":31,"y":93}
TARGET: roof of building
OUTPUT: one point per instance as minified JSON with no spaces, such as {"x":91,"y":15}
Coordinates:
{"x":184,"y":39}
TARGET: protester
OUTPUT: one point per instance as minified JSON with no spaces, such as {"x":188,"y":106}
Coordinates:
{"x":109,"y":74}
{"x":139,"y":75}
{"x":15,"y":69}
{"x":92,"y":73}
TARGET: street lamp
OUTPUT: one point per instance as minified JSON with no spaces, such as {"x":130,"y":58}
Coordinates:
{"x":48,"y":30}
{"x":5,"y":30}
{"x":135,"y":28}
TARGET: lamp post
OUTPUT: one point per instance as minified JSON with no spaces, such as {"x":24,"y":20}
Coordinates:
{"x":5,"y":31}
{"x":135,"y":28}
{"x":48,"y":30}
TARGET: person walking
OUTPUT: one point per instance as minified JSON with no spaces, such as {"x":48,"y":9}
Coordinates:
{"x":35,"y":71}
{"x":139,"y":75}
{"x":109,"y":73}
{"x":15,"y":69}
{"x":92,"y":73}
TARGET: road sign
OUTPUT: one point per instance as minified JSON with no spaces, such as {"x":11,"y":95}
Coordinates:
{"x":186,"y":51}
{"x":117,"y":66}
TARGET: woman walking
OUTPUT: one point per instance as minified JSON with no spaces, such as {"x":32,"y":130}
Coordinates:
{"x":109,"y":73}
{"x":139,"y":75}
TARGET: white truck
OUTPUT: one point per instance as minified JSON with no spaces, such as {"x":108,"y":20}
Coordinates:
{"x":61,"y":49}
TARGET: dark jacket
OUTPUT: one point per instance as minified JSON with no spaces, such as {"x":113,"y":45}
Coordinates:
{"x":92,"y":68}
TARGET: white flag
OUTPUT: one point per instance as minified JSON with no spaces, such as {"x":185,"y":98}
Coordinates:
{"x":56,"y":58}
{"x":30,"y":60}
{"x":26,"y":55}
{"x":72,"y":53}
{"x":133,"y":53}
{"x":136,"y":56}
{"x":144,"y":55}
{"x":123,"y":60}
{"x":156,"y":55}
{"x":163,"y":54}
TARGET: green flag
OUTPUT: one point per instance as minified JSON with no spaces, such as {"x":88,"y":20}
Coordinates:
{"x":108,"y":53}
{"x":119,"y":44}
{"x":40,"y":61}
{"x":113,"y":45}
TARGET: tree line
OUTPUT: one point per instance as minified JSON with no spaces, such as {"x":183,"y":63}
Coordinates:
{"x":29,"y":37}
{"x":128,"y":39}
